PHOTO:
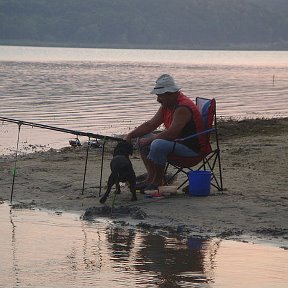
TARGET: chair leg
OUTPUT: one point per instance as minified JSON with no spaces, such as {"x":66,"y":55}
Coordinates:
{"x":179,"y":169}
{"x":218,"y":185}
{"x":210,"y":163}
{"x":165,"y":172}
{"x":183,"y":183}
{"x":212,"y":166}
{"x":220,"y":171}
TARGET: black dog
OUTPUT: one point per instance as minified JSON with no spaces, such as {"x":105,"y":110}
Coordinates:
{"x":121,"y":170}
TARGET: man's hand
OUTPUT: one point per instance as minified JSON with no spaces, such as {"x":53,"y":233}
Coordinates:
{"x":145,"y":141}
{"x":128,"y":138}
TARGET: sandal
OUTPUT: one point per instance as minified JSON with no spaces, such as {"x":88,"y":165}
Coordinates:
{"x":155,"y":195}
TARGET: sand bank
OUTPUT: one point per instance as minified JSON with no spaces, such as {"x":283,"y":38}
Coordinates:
{"x":254,"y":202}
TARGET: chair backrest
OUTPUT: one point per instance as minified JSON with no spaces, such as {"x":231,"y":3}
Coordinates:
{"x":207,"y":108}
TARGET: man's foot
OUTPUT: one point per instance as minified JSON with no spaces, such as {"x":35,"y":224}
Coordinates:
{"x":141,"y":185}
{"x":141,"y":177}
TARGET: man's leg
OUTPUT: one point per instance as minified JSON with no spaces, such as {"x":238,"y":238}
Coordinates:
{"x":155,"y":172}
{"x":155,"y":156}
{"x":158,"y":179}
{"x":158,"y":153}
{"x":149,"y":165}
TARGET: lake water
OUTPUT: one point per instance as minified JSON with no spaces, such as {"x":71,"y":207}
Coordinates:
{"x":106,"y":91}
{"x":48,"y":249}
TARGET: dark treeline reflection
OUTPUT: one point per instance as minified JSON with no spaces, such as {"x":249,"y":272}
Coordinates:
{"x":95,"y":254}
{"x":170,"y":261}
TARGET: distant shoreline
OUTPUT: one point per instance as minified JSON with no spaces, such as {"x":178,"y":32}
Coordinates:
{"x":228,"y":47}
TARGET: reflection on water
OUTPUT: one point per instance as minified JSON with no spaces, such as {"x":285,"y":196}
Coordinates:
{"x":46,"y":249}
{"x":106,"y":91}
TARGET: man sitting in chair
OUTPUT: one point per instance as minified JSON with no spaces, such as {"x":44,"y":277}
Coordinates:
{"x":181,"y":118}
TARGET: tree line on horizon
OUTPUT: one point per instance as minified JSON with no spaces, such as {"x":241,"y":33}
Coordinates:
{"x":150,"y":23}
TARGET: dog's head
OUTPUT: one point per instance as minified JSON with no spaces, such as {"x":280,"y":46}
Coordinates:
{"x":123,"y":148}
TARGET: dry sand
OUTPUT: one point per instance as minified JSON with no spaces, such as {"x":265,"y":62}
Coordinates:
{"x":253,"y":205}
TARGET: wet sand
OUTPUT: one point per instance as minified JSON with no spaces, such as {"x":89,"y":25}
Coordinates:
{"x":253,"y":205}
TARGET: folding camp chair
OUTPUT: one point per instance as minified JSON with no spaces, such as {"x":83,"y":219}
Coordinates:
{"x":210,"y":157}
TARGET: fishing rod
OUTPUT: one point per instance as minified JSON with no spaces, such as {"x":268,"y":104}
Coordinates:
{"x":59,"y":129}
{"x":64,"y":130}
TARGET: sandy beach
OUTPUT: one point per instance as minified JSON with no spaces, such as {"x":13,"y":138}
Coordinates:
{"x":253,"y":205}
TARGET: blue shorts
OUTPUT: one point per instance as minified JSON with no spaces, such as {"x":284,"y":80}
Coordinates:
{"x":159,"y":150}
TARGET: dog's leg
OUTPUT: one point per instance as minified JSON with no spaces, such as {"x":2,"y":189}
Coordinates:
{"x":132,"y":183}
{"x":118,"y":189}
{"x":116,"y":192}
{"x":111,"y":181}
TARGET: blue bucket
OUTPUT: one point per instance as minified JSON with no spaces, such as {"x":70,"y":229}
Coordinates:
{"x":199,"y":183}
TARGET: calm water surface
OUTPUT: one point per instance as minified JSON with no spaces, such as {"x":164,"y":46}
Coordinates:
{"x":46,"y":249}
{"x":106,"y":91}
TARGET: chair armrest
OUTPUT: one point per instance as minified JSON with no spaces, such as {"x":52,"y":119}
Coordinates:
{"x":194,"y":135}
{"x":191,"y":136}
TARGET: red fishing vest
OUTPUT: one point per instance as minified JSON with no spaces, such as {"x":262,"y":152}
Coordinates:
{"x":195,"y":125}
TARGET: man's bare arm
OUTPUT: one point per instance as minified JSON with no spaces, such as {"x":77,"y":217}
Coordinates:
{"x":147,"y":127}
{"x":182,"y":116}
